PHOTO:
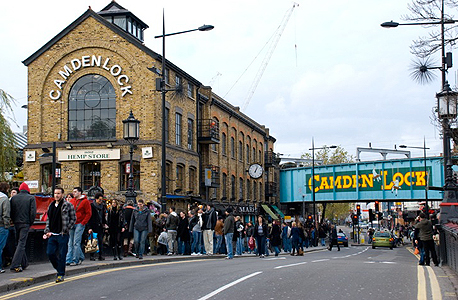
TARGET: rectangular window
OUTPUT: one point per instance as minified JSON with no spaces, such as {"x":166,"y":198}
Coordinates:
{"x":248,"y":190}
{"x":167,"y":113}
{"x":178,"y":129}
{"x":178,"y":80}
{"x":190,"y":90}
{"x":125,"y":172}
{"x":167,"y":76}
{"x":190,"y":133}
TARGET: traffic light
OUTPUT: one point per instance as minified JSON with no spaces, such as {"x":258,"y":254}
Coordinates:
{"x":358,"y":210}
{"x":371,"y":215}
{"x":309,"y":218}
{"x":355,"y":219}
{"x":377,"y":207}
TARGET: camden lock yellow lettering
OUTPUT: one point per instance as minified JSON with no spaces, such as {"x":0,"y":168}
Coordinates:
{"x":414,"y":178}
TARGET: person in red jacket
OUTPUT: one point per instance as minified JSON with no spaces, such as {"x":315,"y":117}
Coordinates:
{"x":75,"y":255}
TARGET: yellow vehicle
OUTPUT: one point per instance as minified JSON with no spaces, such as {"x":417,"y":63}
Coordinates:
{"x":382,"y":239}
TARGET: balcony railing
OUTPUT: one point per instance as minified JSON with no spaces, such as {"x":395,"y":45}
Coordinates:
{"x":271,"y":159}
{"x":208,"y":132}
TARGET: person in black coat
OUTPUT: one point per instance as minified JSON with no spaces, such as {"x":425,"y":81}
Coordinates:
{"x":260,"y":234}
{"x":98,"y":223}
{"x":275,"y":237}
{"x":116,"y":228}
{"x":183,"y":235}
{"x":333,"y":238}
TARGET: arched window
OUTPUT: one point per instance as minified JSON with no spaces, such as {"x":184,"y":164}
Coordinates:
{"x":232,"y":148}
{"x":180,"y":178}
{"x":232,"y":187}
{"x":192,"y":179}
{"x":224,"y":195}
{"x":224,"y":144}
{"x":125,"y":172}
{"x":168,"y":177}
{"x":240,"y":151}
{"x":92,"y":109}
{"x":240,"y":188}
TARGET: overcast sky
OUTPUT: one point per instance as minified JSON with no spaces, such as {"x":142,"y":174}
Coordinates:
{"x":335,"y":75}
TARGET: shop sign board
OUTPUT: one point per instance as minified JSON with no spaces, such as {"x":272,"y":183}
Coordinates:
{"x":89,"y":154}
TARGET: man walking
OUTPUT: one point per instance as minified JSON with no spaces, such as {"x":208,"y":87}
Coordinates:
{"x":4,"y":219}
{"x":333,"y":238}
{"x":425,"y":235}
{"x":61,"y":217}
{"x":172,"y":226}
{"x":228,"y":231}
{"x":209,"y":227}
{"x":23,"y":211}
{"x":75,"y":255}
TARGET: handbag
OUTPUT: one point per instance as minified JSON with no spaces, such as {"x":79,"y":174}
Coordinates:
{"x":416,"y":251}
{"x":91,"y":245}
{"x":251,"y":243}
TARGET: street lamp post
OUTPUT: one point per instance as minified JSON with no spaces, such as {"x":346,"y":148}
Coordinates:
{"x":131,"y":129}
{"x":53,"y":165}
{"x":313,"y":177}
{"x":426,"y":171}
{"x":449,"y":98}
{"x":164,"y":90}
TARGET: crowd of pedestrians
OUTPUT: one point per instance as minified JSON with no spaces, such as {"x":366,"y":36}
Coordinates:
{"x":137,"y":229}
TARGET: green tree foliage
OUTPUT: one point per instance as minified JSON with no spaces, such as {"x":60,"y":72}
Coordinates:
{"x":328,"y":156}
{"x":7,"y":142}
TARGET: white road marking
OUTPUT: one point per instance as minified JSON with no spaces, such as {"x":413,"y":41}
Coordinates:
{"x":387,"y":262}
{"x":275,"y":258}
{"x":208,"y":296}
{"x":291,"y":265}
{"x":435,"y":288}
{"x":318,"y":260}
{"x":421,"y":295}
{"x":369,"y":262}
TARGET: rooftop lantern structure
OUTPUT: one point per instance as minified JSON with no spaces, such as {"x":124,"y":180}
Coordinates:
{"x":123,"y":18}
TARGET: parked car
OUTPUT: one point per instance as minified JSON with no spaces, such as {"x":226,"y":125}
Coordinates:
{"x":382,"y":239}
{"x":342,"y":239}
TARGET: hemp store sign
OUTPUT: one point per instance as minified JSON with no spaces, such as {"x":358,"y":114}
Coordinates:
{"x":90,"y":61}
{"x":93,"y":154}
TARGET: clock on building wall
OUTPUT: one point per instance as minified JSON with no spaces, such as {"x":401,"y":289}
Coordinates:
{"x":255,"y":171}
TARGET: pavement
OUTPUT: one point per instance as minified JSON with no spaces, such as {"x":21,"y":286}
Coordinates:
{"x":44,"y":272}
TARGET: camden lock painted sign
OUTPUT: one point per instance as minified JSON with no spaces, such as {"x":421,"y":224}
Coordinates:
{"x":390,"y":179}
{"x":90,"y":61}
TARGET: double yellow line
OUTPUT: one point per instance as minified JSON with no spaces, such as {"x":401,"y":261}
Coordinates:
{"x":435,"y":288}
{"x":86,"y":275}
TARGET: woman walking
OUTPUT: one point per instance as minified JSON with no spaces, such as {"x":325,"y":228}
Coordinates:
{"x":260,"y":234}
{"x":115,"y":228}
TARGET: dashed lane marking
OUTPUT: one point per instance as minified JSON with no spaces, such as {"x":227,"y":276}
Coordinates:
{"x":320,"y":260}
{"x":208,"y":296}
{"x":291,"y":265}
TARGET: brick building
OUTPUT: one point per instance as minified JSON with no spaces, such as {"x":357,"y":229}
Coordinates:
{"x":85,"y":81}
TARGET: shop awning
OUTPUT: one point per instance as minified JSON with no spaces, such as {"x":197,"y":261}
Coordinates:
{"x":269,"y":211}
{"x":278,"y":211}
